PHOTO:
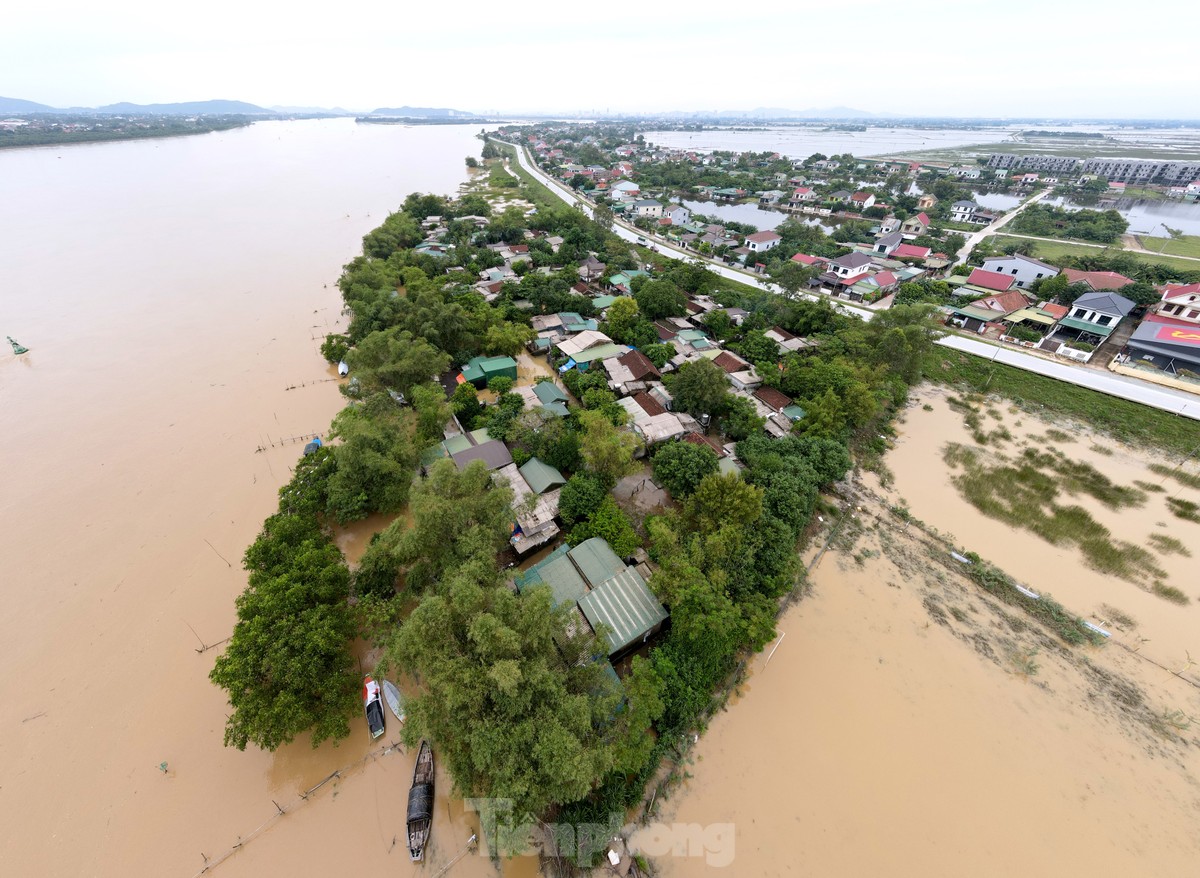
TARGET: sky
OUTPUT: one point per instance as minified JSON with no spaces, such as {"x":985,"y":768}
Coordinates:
{"x":1030,"y":58}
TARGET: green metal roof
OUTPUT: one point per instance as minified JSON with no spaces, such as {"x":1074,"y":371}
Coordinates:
{"x":455,"y":444}
{"x":596,"y":560}
{"x":602,"y":302}
{"x":1086,"y":326}
{"x":541,"y":476}
{"x":546,"y":391}
{"x":626,"y":607}
{"x":794,"y":412}
{"x":558,"y":573}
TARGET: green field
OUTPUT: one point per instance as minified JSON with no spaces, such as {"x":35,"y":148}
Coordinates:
{"x":1052,"y":250}
{"x":1186,"y":245}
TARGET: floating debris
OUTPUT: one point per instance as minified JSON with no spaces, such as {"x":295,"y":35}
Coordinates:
{"x":18,"y":348}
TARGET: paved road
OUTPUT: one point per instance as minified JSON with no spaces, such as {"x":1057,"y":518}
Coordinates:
{"x":976,"y":237}
{"x":1122,"y":386}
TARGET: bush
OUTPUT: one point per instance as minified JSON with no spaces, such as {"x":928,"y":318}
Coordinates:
{"x":680,"y":466}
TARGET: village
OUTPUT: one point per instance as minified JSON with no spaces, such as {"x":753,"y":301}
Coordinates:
{"x":877,"y":233}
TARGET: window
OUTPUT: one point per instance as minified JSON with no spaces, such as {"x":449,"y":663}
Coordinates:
{"x":1192,"y":315}
{"x":1078,"y":315}
{"x":1105,"y":320}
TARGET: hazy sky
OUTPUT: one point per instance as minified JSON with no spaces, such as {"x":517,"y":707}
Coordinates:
{"x":922,"y":57}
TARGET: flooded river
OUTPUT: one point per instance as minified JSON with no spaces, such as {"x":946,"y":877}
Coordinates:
{"x":171,"y":292}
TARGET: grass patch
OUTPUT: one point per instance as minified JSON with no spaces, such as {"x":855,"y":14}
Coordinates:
{"x":1191,"y":480}
{"x":1125,"y":421}
{"x":1053,"y":250}
{"x":1170,"y":593}
{"x":1100,"y":449}
{"x":1023,"y":493}
{"x":1150,"y":487}
{"x":1059,"y":435}
{"x":1185,"y":509}
{"x":1184,"y":245}
{"x":1169,"y":545}
{"x":1120,"y":617}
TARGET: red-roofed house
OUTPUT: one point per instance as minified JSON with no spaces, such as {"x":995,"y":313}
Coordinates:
{"x":1097,"y":280}
{"x":1181,"y":303}
{"x":862,"y":200}
{"x":649,"y":404}
{"x":805,"y":259}
{"x":772,"y":398}
{"x":990,"y":280}
{"x":911,"y":251}
{"x":1005,"y":303}
{"x":915,"y":226}
{"x":730,"y":362}
{"x":1055,"y":310}
{"x":802,"y":195}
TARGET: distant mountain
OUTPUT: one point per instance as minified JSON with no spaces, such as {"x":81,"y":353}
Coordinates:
{"x":187,"y":108}
{"x":423,"y":112}
{"x":16,"y":105}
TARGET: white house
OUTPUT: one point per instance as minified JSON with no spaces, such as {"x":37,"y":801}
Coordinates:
{"x":963,"y":211}
{"x":966,"y":172}
{"x":1022,"y":269}
{"x":1193,"y":189}
{"x":862,"y":200}
{"x":648,"y":207}
{"x":623,"y":190}
{"x":678,"y":214}
{"x":888,"y":225}
{"x":1181,"y":303}
{"x":761,"y":242}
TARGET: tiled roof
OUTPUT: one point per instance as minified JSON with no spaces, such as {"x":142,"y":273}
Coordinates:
{"x":1097,"y":280}
{"x":773,"y":398}
{"x":990,"y":280}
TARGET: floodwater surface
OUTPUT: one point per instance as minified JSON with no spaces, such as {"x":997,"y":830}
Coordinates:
{"x":171,"y":292}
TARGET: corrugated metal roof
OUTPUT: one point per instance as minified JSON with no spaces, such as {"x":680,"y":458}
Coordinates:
{"x":625,"y":606}
{"x":596,"y":560}
{"x":541,"y":477}
{"x":1086,"y":326}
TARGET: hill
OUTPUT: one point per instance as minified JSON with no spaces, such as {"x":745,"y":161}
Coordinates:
{"x":187,"y":108}
{"x":17,"y":105}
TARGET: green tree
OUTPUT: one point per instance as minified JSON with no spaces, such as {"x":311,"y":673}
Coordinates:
{"x":680,"y":466}
{"x":433,"y":411}
{"x":659,"y":354}
{"x":506,"y":339}
{"x":660,"y":298}
{"x":581,"y":495}
{"x":608,"y":522}
{"x":792,"y":277}
{"x":700,"y":387}
{"x":720,"y":500}
{"x":510,"y":716}
{"x":607,"y":452}
{"x":393,"y":359}
{"x":376,"y":451}
{"x":335,"y":347}
{"x":621,"y":316}
{"x":464,"y":402}
{"x":741,"y":418}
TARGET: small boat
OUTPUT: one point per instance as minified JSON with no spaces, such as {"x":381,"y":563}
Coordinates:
{"x":420,"y":803}
{"x":373,"y":705}
{"x":391,"y":694}
{"x":343,"y":369}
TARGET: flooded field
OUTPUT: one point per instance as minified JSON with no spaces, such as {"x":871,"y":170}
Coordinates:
{"x":909,"y":724}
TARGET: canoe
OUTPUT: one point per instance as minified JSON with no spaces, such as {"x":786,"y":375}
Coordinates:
{"x":394,"y":699}
{"x":373,"y":706}
{"x":420,"y":803}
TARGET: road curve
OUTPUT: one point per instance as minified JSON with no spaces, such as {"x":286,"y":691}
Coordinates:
{"x":1121,"y":386}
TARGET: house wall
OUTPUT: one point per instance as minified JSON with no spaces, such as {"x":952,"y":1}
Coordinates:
{"x":1022,"y":272}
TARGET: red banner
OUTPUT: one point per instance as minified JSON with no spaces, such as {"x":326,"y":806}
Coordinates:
{"x":1179,"y":335}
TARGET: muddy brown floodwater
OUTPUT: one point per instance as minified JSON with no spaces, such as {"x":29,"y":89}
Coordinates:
{"x":171,"y":292}
{"x":909,"y":725}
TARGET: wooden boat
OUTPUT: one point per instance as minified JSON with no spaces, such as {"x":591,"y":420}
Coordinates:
{"x":373,"y":705}
{"x":420,"y":803}
{"x":391,"y":694}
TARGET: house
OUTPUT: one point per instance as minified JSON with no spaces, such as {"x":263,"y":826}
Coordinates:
{"x":544,"y":395}
{"x":761,"y":242}
{"x":910,"y":251}
{"x":605,"y":593}
{"x":847,"y":270}
{"x":647,"y":207}
{"x":915,"y":226}
{"x":630,"y":372}
{"x":862,"y":200}
{"x":1093,"y":318}
{"x":1023,"y":269}
{"x":592,"y":269}
{"x":626,"y":189}
{"x":966,"y":172}
{"x":771,"y":196}
{"x":1192,"y":190}
{"x":840,"y":195}
{"x":678,"y":214}
{"x":926,"y":201}
{"x":888,"y":244}
{"x":1181,"y":303}
{"x":577,"y":348}
{"x":535,"y":487}
{"x":963,"y":211}
{"x":480,"y":370}
{"x":805,"y":259}
{"x":1097,"y":280}
{"x":786,"y":341}
{"x":803,"y":195}
{"x":990,"y":309}
{"x":989,"y":280}
{"x":741,"y":374}
{"x":1172,"y":347}
{"x":888,"y":225}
